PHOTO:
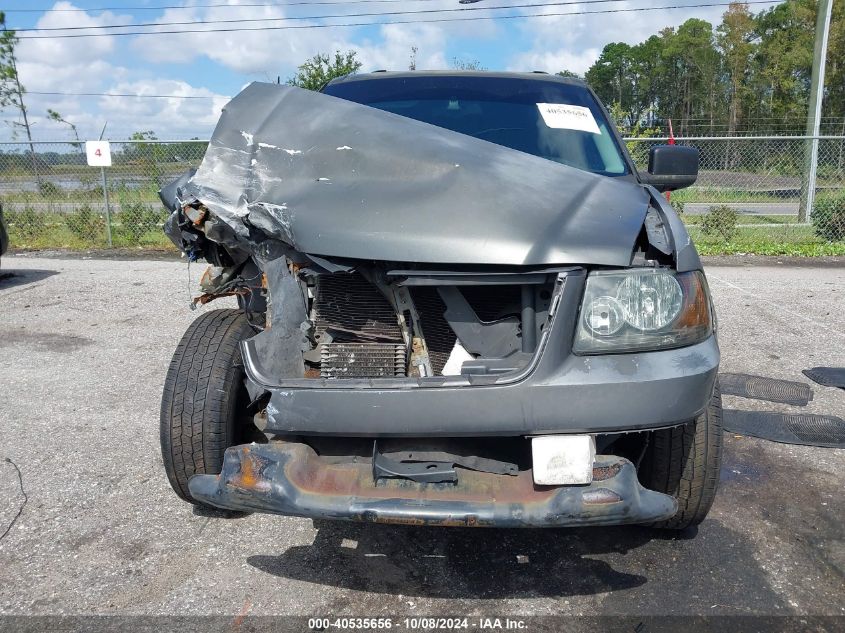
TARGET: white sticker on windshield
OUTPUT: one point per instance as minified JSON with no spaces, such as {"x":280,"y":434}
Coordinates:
{"x":568,"y":117}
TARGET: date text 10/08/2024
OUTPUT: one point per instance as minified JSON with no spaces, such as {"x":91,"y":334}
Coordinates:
{"x":417,"y":623}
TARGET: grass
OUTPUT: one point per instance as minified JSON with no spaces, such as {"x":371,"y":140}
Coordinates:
{"x":750,"y":220}
{"x":710,"y":194}
{"x":140,"y":227}
{"x":57,"y":230}
{"x":800,"y":241}
{"x":119,"y":195}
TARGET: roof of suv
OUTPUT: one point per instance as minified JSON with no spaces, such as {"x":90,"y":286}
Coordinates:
{"x":385,"y":74}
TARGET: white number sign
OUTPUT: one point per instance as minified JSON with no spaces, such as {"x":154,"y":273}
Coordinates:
{"x":98,"y":153}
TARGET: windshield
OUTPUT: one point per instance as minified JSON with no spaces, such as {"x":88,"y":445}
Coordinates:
{"x":557,"y":121}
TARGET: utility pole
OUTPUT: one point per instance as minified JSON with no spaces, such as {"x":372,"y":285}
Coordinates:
{"x":814,"y":110}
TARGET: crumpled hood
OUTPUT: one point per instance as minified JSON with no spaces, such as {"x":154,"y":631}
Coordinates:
{"x":335,"y":178}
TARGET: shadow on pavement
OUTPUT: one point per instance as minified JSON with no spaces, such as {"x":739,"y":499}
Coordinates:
{"x":9,"y":278}
{"x":462,"y":563}
{"x":708,"y":570}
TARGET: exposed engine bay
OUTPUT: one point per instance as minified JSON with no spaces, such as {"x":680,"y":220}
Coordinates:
{"x":291,"y":211}
{"x":375,"y":322}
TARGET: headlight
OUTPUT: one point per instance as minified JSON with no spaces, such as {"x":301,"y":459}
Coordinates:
{"x":626,"y":311}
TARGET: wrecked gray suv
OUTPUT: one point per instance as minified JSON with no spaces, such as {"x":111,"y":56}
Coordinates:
{"x":459,"y":304}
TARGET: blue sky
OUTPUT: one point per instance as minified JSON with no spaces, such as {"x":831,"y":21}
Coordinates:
{"x":215,"y":66}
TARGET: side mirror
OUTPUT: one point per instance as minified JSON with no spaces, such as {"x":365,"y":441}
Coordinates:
{"x":671,"y":167}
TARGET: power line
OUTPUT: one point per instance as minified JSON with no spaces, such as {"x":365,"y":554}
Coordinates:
{"x":388,"y":22}
{"x":320,"y":17}
{"x":210,"y":6}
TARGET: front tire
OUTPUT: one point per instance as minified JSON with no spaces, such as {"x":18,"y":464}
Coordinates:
{"x":684,"y":462}
{"x":204,"y":399}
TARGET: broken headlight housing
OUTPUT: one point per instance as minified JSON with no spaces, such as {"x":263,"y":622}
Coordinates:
{"x":647,"y":309}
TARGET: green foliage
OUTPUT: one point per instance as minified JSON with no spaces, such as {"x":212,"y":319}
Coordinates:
{"x":58,"y":118}
{"x":734,"y":41}
{"x":32,"y":229}
{"x":24,"y":225}
{"x":637,"y":150}
{"x":148,"y":156}
{"x":9,"y":94}
{"x":751,"y":73}
{"x":86,"y":225}
{"x":49,"y":189}
{"x":677,"y":204}
{"x":322,"y":68}
{"x":829,"y":215}
{"x":720,"y":221}
{"x":136,"y":220}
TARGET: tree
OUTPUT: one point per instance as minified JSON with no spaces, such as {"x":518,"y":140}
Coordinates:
{"x":321,"y":69}
{"x":752,"y":73}
{"x":646,"y":70}
{"x":734,"y":38}
{"x":11,"y":90}
{"x":609,"y":76}
{"x":58,"y":118}
{"x":569,"y":73}
{"x":834,"y":102}
{"x":691,"y":49}
{"x":784,"y":59}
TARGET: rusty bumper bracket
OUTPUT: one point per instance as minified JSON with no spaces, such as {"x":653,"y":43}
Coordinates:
{"x":291,"y":479}
{"x":431,"y":472}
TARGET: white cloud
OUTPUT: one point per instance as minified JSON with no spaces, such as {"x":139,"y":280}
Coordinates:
{"x":273,"y":52}
{"x":85,"y":65}
{"x":393,"y":52}
{"x":170,"y":117}
{"x":553,"y":61}
{"x":69,"y":50}
{"x":201,"y":110}
{"x":253,"y":52}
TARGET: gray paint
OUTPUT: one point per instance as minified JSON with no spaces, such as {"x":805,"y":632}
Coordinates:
{"x":279,"y":348}
{"x":686,"y":255}
{"x":559,"y":392}
{"x":337,"y":178}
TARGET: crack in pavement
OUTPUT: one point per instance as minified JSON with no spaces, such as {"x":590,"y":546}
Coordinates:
{"x":25,"y":498}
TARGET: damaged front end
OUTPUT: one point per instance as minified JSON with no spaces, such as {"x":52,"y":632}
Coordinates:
{"x":292,"y":479}
{"x":431,"y":298}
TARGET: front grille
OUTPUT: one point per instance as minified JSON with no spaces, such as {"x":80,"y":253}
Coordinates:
{"x":351,"y":309}
{"x":357,"y":328}
{"x":362,"y":360}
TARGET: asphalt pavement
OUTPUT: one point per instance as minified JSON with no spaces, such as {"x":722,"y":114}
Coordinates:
{"x":84,"y":346}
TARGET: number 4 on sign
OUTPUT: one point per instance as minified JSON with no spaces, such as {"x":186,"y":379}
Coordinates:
{"x":98,"y":153}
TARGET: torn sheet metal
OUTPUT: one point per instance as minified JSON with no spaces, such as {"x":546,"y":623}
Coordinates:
{"x":339,"y":179}
{"x":278,"y":349}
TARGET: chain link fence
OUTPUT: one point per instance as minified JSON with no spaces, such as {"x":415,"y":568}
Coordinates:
{"x":52,"y":199}
{"x":750,"y":196}
{"x":753,"y":193}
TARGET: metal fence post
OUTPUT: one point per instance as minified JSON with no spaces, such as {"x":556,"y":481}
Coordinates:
{"x":812,"y":173}
{"x":108,"y":209}
{"x":814,"y":109}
